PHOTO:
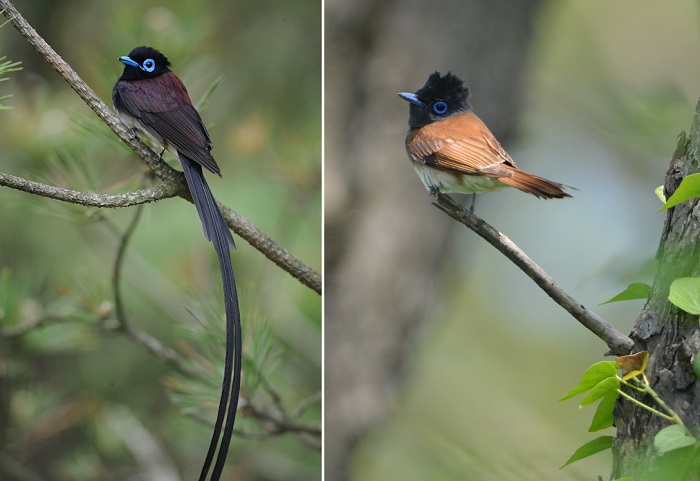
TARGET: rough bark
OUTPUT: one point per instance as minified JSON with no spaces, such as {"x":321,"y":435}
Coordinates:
{"x":378,"y":286}
{"x":671,"y":336}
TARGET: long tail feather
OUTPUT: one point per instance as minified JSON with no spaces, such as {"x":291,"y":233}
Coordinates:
{"x":216,"y":230}
{"x":535,"y":185}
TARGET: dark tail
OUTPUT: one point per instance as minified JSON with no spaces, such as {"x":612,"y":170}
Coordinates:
{"x":535,"y":185}
{"x":216,"y":230}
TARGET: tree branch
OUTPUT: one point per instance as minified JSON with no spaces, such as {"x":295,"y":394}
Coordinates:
{"x":173,"y":179}
{"x":618,"y":343}
{"x":89,"y":199}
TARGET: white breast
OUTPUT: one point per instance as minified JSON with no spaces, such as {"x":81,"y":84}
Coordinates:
{"x":447,"y":182}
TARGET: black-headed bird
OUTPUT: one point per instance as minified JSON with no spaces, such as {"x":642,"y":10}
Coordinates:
{"x":152,"y":100}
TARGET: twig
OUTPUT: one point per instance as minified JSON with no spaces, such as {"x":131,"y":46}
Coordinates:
{"x":282,"y":424}
{"x":273,"y":251}
{"x":141,"y":338}
{"x":274,"y":424}
{"x":617,"y":342}
{"x":117,"y":269}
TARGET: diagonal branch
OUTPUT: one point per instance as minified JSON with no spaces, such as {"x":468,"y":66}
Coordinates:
{"x":173,"y":179}
{"x":617,"y":342}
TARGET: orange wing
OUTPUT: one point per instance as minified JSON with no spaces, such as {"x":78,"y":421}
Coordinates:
{"x":461,"y":144}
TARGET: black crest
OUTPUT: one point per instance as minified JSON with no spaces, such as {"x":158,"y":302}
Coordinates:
{"x":440,"y":98}
{"x":142,"y":53}
{"x":448,"y":88}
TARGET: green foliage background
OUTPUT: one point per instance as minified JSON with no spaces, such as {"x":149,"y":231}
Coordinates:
{"x":70,"y":390}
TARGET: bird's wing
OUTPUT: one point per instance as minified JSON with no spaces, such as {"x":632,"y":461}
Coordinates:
{"x":164,"y":107}
{"x":475,"y":155}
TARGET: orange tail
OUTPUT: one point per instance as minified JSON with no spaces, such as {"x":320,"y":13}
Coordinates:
{"x":537,"y":186}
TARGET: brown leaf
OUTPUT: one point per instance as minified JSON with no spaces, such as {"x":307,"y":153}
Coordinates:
{"x":633,"y":365}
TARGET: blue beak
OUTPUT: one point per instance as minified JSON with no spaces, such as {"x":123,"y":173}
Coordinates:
{"x":409,"y":97}
{"x":127,"y":61}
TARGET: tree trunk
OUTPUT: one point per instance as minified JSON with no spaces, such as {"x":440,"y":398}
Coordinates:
{"x":671,"y":336}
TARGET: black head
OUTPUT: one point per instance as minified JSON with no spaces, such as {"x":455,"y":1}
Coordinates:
{"x":439,"y":98}
{"x":144,"y":62}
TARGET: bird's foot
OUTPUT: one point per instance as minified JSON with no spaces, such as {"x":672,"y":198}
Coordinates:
{"x":433,"y":191}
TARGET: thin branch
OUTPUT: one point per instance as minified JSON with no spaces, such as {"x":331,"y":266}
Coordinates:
{"x":617,"y":342}
{"x":141,"y":338}
{"x":282,"y":424}
{"x":273,"y":424}
{"x":171,"y":177}
{"x":117,"y":269}
{"x":274,"y":395}
{"x":89,"y":199}
{"x":155,"y":347}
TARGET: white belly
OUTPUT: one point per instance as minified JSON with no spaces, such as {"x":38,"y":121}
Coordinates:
{"x":446,"y":182}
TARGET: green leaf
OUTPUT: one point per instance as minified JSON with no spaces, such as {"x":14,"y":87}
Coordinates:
{"x":685,"y":294}
{"x":626,"y":478}
{"x":673,"y":437}
{"x":636,"y":290}
{"x":590,"y":448}
{"x":688,"y":189}
{"x":604,"y":388}
{"x":659,"y":191}
{"x":593,"y":375}
{"x":603,"y":417}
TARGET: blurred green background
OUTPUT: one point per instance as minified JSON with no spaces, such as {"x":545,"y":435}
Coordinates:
{"x":78,"y":401}
{"x":607,"y":88}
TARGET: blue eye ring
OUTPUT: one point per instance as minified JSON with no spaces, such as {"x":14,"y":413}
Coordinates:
{"x":440,"y":107}
{"x":149,"y":65}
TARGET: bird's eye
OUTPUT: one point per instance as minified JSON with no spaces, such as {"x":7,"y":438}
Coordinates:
{"x":440,"y":107}
{"x":149,"y":65}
